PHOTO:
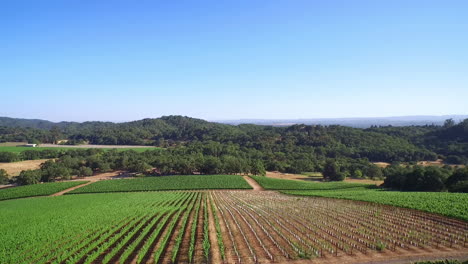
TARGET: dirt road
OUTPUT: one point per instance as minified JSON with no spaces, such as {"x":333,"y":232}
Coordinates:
{"x":254,"y":184}
{"x":71,"y":189}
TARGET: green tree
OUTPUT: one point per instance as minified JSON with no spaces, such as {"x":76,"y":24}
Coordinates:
{"x":458,"y":181}
{"x":357,"y":174}
{"x":211,"y":165}
{"x":140,"y":167}
{"x":3,"y":176}
{"x":28,"y":177}
{"x":374,"y":172}
{"x":449,"y":123}
{"x":257,"y":168}
{"x":85,"y":171}
{"x":330,"y":170}
{"x":52,"y":171}
{"x":6,"y":156}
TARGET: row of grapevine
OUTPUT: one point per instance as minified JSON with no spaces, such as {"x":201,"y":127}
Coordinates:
{"x":269,"y":227}
{"x":248,"y":227}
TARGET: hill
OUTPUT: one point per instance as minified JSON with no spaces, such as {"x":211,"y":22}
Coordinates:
{"x":295,"y":148}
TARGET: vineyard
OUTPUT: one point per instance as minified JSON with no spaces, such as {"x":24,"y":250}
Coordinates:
{"x":212,"y":227}
{"x":449,"y":204}
{"x":36,"y":189}
{"x":177,"y":182}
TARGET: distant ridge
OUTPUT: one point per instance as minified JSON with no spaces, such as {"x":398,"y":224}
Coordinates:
{"x":359,"y":122}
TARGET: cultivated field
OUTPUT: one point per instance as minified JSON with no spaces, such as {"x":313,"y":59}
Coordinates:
{"x":36,"y":189}
{"x":444,"y":203}
{"x":215,"y":226}
{"x":164,"y":183}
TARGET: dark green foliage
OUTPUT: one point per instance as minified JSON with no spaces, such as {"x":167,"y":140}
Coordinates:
{"x":52,"y":171}
{"x":3,"y":177}
{"x":458,"y":181}
{"x":416,"y":178}
{"x":331,"y":170}
{"x":85,"y":171}
{"x":292,"y":149}
{"x":357,"y":173}
{"x":8,"y":156}
{"x":450,"y":140}
{"x":257,"y":168}
{"x":29,"y":177}
{"x":374,"y":172}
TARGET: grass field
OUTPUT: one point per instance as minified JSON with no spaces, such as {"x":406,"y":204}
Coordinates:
{"x":280,"y":184}
{"x":36,"y":189}
{"x":20,"y":149}
{"x":185,"y":182}
{"x":212,"y":227}
{"x":448,"y":204}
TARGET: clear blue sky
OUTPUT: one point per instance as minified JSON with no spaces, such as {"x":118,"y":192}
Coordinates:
{"x":126,"y":60}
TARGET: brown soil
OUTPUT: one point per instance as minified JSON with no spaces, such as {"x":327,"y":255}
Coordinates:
{"x":287,"y":176}
{"x":14,"y":168}
{"x":182,"y":256}
{"x":149,"y":257}
{"x":12,"y":144}
{"x":365,"y":181}
{"x":230,"y":254}
{"x":70,"y":189}
{"x":389,"y":257}
{"x":381,"y":164}
{"x":300,"y":177}
{"x":105,"y":176}
{"x":215,"y":253}
{"x":198,"y":256}
{"x":166,"y":256}
{"x":254,"y":184}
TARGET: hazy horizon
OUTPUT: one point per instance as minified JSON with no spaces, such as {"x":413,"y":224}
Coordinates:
{"x":119,"y":61}
{"x":457,"y":117}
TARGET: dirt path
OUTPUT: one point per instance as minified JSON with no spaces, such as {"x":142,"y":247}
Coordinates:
{"x":71,"y":189}
{"x":215,"y":251}
{"x":254,"y":184}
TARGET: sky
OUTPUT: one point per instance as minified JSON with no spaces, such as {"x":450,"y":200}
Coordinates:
{"x":219,"y":60}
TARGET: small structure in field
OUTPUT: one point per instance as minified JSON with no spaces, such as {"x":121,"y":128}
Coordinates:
{"x":31,"y":145}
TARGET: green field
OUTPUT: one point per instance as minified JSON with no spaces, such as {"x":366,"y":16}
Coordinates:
{"x":41,"y":224}
{"x":279,"y":184}
{"x":184,"y":182}
{"x":36,"y":189}
{"x":448,"y":204}
{"x":20,"y":149}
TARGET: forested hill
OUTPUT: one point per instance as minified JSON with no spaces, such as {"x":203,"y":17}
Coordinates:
{"x":449,"y":140}
{"x":376,"y":144}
